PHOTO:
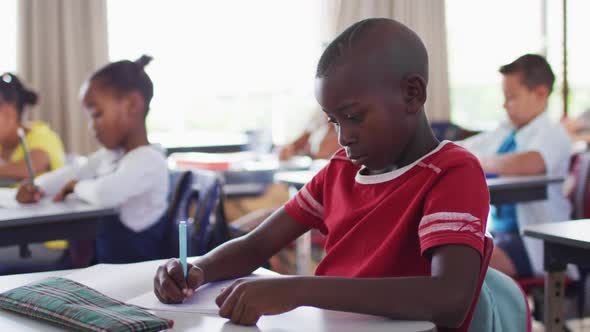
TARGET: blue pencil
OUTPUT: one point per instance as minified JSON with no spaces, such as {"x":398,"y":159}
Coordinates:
{"x":182,"y":245}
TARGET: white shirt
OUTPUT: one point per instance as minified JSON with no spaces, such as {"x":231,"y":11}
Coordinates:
{"x":552,"y":142}
{"x":136,"y":182}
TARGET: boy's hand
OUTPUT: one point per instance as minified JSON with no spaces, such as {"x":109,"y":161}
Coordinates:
{"x":170,"y":285}
{"x":29,"y":193}
{"x":248,"y":299}
{"x":65,"y":191}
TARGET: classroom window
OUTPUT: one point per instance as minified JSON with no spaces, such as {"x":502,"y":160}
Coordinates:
{"x":8,"y":26}
{"x":223,"y":65}
{"x":578,"y":53}
{"x":482,"y":36}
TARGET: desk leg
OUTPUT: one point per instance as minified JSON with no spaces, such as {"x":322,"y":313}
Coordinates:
{"x":554,"y":289}
{"x":302,"y":247}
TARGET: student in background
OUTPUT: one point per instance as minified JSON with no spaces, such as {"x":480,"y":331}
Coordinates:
{"x":578,"y":127}
{"x":398,"y":242}
{"x":528,"y":144}
{"x":128,"y":172}
{"x":319,"y":140}
{"x":45,"y":147}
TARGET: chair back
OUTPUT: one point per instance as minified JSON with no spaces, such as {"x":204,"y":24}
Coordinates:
{"x":208,"y":222}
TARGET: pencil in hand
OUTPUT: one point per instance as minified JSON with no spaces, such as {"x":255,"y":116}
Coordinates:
{"x":21,"y":137}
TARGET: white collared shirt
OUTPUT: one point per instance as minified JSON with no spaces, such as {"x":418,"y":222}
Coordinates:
{"x":552,"y":142}
{"x":136,"y":182}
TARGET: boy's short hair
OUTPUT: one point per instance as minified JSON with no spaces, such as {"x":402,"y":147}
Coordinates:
{"x":535,"y":71}
{"x":402,"y":54}
{"x":335,"y":48}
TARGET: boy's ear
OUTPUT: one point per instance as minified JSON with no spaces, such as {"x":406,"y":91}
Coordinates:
{"x":542,"y":91}
{"x":414,"y":92}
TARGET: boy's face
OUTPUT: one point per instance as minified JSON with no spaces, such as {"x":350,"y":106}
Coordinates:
{"x":521,"y":103}
{"x":108,"y":114}
{"x":371,"y":119}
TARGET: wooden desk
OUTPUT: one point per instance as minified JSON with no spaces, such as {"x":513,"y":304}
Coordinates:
{"x":565,"y":242}
{"x":502,"y":190}
{"x":127,"y":281}
{"x":46,"y":221}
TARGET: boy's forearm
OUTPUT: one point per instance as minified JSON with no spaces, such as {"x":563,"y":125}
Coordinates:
{"x":232,"y":259}
{"x":416,"y":298}
{"x":243,"y":255}
{"x":524,"y":163}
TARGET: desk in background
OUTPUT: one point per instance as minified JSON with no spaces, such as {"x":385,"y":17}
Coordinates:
{"x":200,"y":141}
{"x":519,"y":189}
{"x":243,"y":173}
{"x":127,"y":281}
{"x":46,"y":221}
{"x":502,"y":190}
{"x":565,"y":242}
{"x":507,"y":189}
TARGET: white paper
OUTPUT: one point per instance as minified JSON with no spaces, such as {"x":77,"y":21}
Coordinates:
{"x":8,"y":198}
{"x":203,"y":302}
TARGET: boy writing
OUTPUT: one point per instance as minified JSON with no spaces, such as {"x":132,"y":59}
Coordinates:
{"x":528,"y":144}
{"x":404,"y":237}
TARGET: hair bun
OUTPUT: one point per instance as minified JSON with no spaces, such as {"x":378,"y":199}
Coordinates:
{"x":143,"y":61}
{"x":30,"y":97}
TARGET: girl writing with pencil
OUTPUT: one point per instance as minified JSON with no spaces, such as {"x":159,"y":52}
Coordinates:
{"x":128,"y":172}
{"x":45,"y":147}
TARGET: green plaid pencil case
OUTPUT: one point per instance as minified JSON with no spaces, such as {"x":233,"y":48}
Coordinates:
{"x":75,"y":306}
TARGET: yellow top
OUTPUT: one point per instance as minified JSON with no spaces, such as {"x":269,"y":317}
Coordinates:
{"x":41,"y":137}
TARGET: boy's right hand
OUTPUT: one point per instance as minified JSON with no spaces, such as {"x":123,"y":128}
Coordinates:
{"x":29,"y":193}
{"x":170,"y":285}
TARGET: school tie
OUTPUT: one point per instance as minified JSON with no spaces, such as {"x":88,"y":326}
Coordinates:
{"x":504,"y":215}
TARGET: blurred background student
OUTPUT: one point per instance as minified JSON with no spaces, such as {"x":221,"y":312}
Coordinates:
{"x":128,"y":172}
{"x":45,"y":146}
{"x":318,"y":140}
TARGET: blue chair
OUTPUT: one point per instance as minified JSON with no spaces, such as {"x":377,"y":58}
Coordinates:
{"x":199,"y":201}
{"x":502,"y":306}
{"x":152,"y":244}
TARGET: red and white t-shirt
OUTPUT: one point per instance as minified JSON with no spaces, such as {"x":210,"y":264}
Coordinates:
{"x":383,"y":225}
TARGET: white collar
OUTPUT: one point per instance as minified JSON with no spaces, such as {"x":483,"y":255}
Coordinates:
{"x":384,"y":177}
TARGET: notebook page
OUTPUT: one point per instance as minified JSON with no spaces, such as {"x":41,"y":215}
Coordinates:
{"x":202,"y":302}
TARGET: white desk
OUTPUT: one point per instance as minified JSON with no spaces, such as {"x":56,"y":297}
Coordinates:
{"x":47,"y":220}
{"x":508,"y":189}
{"x":129,"y":280}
